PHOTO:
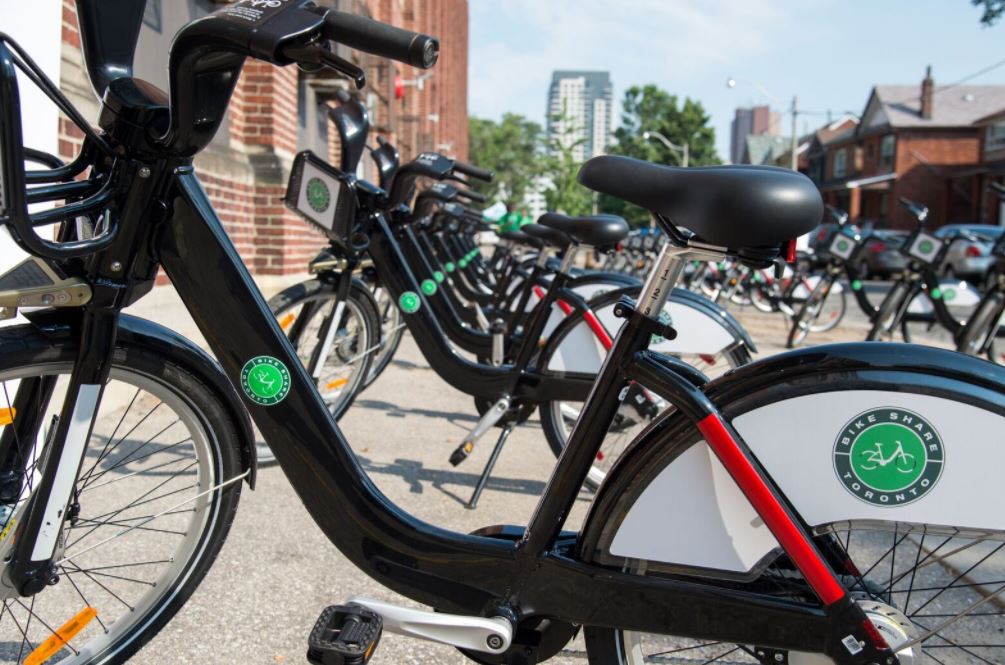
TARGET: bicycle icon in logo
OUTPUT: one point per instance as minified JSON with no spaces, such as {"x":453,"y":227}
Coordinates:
{"x":872,"y":459}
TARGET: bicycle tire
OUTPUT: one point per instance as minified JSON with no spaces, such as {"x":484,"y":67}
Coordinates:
{"x":25,"y":352}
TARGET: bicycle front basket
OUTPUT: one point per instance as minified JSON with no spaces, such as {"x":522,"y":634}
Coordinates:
{"x":13,"y":204}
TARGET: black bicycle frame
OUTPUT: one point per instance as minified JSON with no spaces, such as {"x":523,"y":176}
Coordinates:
{"x":536,"y":575}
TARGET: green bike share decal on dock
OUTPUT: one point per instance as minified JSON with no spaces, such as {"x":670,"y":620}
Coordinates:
{"x":889,"y":456}
{"x":409,"y":302}
{"x":428,"y":287}
{"x":265,"y":380}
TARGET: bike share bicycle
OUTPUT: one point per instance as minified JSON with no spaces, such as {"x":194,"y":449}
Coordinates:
{"x":917,"y":297}
{"x":549,"y":323}
{"x":743,"y":515}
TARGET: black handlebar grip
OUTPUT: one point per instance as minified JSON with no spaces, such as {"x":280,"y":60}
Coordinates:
{"x":472,"y":195}
{"x":365,"y":34}
{"x":474,"y":171}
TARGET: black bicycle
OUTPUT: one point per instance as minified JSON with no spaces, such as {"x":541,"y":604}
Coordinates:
{"x":817,"y":506}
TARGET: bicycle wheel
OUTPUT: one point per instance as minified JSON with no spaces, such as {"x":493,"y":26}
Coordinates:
{"x":832,"y":310}
{"x":392,"y":328}
{"x":152,"y":503}
{"x":301,"y":311}
{"x":890,"y":315}
{"x":911,"y":580}
{"x":639,"y":407}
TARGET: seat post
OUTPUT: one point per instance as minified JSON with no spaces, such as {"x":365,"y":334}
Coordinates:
{"x":666,"y":273}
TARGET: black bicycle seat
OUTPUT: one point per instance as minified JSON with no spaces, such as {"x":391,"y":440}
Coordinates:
{"x":728,"y":206}
{"x":593,"y":230}
{"x":550,"y":236}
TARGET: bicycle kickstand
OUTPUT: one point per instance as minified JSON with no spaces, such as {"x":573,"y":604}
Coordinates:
{"x":487,"y":471}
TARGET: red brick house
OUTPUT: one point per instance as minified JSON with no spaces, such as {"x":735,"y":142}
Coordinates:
{"x":991,"y":167}
{"x":912,"y":142}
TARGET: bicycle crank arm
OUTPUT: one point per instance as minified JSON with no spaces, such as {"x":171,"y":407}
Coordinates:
{"x":464,"y":632}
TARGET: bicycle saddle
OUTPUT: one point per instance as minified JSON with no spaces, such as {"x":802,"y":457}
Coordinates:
{"x":593,"y":230}
{"x":550,"y":236}
{"x":729,"y":206}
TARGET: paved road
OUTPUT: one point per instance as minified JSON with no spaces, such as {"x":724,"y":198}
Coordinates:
{"x":277,"y":571}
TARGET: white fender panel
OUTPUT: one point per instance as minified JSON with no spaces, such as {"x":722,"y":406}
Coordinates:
{"x":697,"y":332}
{"x":795,"y":441}
{"x":693,"y":514}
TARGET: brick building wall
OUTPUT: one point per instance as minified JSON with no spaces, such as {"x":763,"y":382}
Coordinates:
{"x":245,"y":169}
{"x":921,"y":164}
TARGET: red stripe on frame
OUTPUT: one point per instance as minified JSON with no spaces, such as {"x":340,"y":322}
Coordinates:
{"x":791,"y":537}
{"x":597,"y":327}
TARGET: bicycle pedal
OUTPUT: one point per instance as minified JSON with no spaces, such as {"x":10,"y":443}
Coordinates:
{"x":32,"y":283}
{"x":344,"y":635}
{"x":462,"y":452}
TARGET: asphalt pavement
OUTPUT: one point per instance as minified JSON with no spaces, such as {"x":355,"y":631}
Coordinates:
{"x":277,"y":571}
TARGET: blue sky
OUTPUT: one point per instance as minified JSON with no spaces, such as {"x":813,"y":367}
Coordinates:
{"x":829,"y":52}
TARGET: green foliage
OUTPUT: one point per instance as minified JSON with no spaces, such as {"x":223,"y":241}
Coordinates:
{"x":992,"y":10}
{"x":511,"y":148}
{"x":565,"y":194}
{"x":651,"y":109}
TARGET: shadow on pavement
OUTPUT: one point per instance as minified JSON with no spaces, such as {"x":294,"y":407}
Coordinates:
{"x":415,"y":474}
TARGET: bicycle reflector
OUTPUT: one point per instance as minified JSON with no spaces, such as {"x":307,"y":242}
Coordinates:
{"x":12,"y":186}
{"x":322,"y":195}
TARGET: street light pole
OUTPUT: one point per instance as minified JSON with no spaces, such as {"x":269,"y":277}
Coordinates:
{"x":684,"y":150}
{"x":795,"y":140}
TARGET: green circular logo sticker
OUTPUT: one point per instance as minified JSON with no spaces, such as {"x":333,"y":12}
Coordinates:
{"x":889,"y":457}
{"x":265,"y":380}
{"x":428,"y":287}
{"x":409,"y":302}
{"x":439,"y":277}
{"x":926,"y":246}
{"x":449,"y":267}
{"x":842,"y":245}
{"x":318,"y":196}
{"x":856,"y":285}
{"x":936,"y":293}
{"x":948,"y":294}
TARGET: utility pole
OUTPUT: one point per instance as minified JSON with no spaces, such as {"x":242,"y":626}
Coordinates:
{"x":795,"y":137}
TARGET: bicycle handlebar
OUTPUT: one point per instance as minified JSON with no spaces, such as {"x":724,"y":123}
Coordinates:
{"x":380,"y":39}
{"x":474,"y":171}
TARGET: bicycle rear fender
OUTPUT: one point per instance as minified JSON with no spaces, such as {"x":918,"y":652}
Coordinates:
{"x":812,"y":419}
{"x":135,"y":332}
{"x":702,"y":328}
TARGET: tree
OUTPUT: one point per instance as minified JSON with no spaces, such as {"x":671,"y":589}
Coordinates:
{"x":650,"y":108}
{"x":992,"y":10}
{"x":564,"y":193}
{"x":511,"y":148}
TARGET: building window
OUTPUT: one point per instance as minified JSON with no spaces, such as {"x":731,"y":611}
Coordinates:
{"x":152,"y":15}
{"x":840,"y":163}
{"x":887,"y":149}
{"x":996,"y":135}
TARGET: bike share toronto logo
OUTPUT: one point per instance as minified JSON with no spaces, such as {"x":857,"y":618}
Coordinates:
{"x":265,"y":380}
{"x":318,"y":196}
{"x":889,"y":456}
